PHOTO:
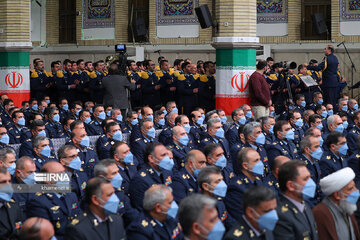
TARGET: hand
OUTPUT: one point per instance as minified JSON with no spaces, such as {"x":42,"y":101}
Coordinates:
{"x":133,"y":81}
{"x":73,"y":86}
{"x":48,"y":85}
{"x":157,"y":87}
{"x":172,"y":89}
{"x":270,"y":103}
{"x":196,"y":90}
{"x":139,"y":86}
{"x":77,"y":82}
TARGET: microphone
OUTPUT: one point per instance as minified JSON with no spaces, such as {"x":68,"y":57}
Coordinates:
{"x":340,"y":44}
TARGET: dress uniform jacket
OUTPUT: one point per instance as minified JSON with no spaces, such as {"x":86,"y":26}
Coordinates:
{"x":136,"y":98}
{"x":263,"y":155}
{"x":293,"y":224}
{"x":271,"y":182}
{"x":180,"y":154}
{"x":223,"y":214}
{"x":127,"y":174}
{"x":138,"y":148}
{"x":78,"y":181}
{"x":166,"y":81}
{"x":14,"y":134}
{"x":103,"y":145}
{"x":55,"y":130}
{"x":126,"y":211}
{"x":96,"y":86}
{"x":354,"y":163}
{"x":280,"y":147}
{"x":184,"y":184}
{"x":330,"y":163}
{"x":150,"y":96}
{"x":63,"y":84}
{"x":22,"y":199}
{"x":147,"y":228}
{"x":207,"y":92}
{"x":6,"y":120}
{"x":197,"y":133}
{"x":26,"y":148}
{"x":38,"y":82}
{"x":10,"y":220}
{"x":234,"y":150}
{"x":88,"y":159}
{"x":232,"y":135}
{"x":88,"y":227}
{"x":187,"y":99}
{"x":165,"y":136}
{"x":95,"y":128}
{"x":222,"y":141}
{"x":351,"y":139}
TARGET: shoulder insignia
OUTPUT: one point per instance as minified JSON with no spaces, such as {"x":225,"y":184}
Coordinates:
{"x":181,"y":77}
{"x":184,"y":176}
{"x":246,"y":180}
{"x":171,"y":71}
{"x":274,"y":143}
{"x":143,"y":174}
{"x":196,"y":76}
{"x":358,"y":155}
{"x":49,"y":74}
{"x":93,"y":74}
{"x":251,"y":233}
{"x":60,"y":74}
{"x":144,"y":75}
{"x":295,"y":211}
{"x":272,"y":77}
{"x":74,"y":222}
{"x":157,"y":67}
{"x":270,"y":183}
{"x":239,"y":182}
{"x":176,"y":73}
{"x":144,"y":223}
{"x":204,"y":78}
{"x":138,"y":139}
{"x":129,"y":73}
{"x":328,"y":157}
{"x":206,"y":140}
{"x":150,"y":171}
{"x":257,"y":178}
{"x":34,"y":75}
{"x":231,"y":175}
{"x":58,"y":225}
{"x":139,"y":73}
{"x":38,"y":194}
{"x":237,"y":233}
{"x":55,"y":208}
{"x":159,"y":73}
{"x":284,"y":209}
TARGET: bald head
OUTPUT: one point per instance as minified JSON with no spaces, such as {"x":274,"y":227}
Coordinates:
{"x":37,"y":228}
{"x":53,"y":167}
{"x":177,"y":133}
{"x":196,"y":155}
{"x":278,"y":161}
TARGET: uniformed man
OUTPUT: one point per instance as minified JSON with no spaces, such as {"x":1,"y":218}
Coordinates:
{"x":8,"y":159}
{"x":5,"y":115}
{"x":267,"y":126}
{"x":108,"y":169}
{"x":63,"y":109}
{"x":250,"y":174}
{"x":334,"y":124}
{"x":317,"y":100}
{"x":211,"y":183}
{"x":168,"y":85}
{"x":239,"y":119}
{"x":150,"y":85}
{"x":300,"y":103}
{"x":53,"y":125}
{"x":197,"y":130}
{"x":95,"y":82}
{"x":296,"y":123}
{"x":260,"y":217}
{"x":146,"y":113}
{"x":272,"y":179}
{"x":41,"y":152}
{"x":66,"y":125}
{"x":315,"y":121}
{"x":85,"y":116}
{"x":158,"y":220}
{"x":282,"y":145}
{"x":99,"y":116}
{"x":353,"y":162}
{"x":187,"y":89}
{"x":207,"y":87}
{"x":112,"y":135}
{"x":10,"y":211}
{"x":307,"y":113}
{"x":183,"y":121}
{"x":99,"y":219}
{"x":39,"y":81}
{"x":130,"y":122}
{"x":86,"y":153}
{"x":335,"y":157}
{"x":165,"y":135}
{"x":180,"y":146}
{"x":4,"y":138}
{"x":75,"y":109}
{"x":311,"y":155}
{"x":157,"y":169}
{"x":59,"y":208}
{"x":170,"y":107}
{"x":247,"y":111}
{"x":65,"y":87}
{"x":19,"y":123}
{"x":38,"y":228}
{"x":159,"y":120}
{"x":136,"y":98}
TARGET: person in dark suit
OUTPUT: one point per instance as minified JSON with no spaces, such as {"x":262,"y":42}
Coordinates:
{"x":260,"y":217}
{"x":99,"y":221}
{"x":37,"y":228}
{"x":116,"y":86}
{"x":296,"y":220}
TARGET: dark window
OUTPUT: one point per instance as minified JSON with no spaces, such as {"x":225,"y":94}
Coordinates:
{"x":138,"y":21}
{"x":310,"y":8}
{"x":67,"y":21}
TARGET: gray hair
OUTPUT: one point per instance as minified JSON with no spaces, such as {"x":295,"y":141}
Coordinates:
{"x":37,"y":141}
{"x":100,"y":168}
{"x":191,"y":210}
{"x":168,"y":104}
{"x":331,"y":119}
{"x":144,"y":121}
{"x":306,"y":112}
{"x":112,"y":111}
{"x":208,"y":115}
{"x":4,"y":152}
{"x":154,"y":196}
{"x":305,"y":143}
{"x":249,"y":128}
{"x":340,"y":100}
{"x":212,"y":122}
{"x":20,"y":163}
{"x":62,"y":151}
{"x":190,"y":157}
{"x":204,"y":174}
{"x":168,"y":116}
{"x":52,"y":110}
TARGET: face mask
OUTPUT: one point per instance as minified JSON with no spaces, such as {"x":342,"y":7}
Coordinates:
{"x":220,"y":189}
{"x":199,"y":121}
{"x":162,"y":122}
{"x":290,"y":135}
{"x":35,"y":107}
{"x":184,"y":140}
{"x":134,"y":122}
{"x":317,"y":154}
{"x":308,"y":190}
{"x":85,"y":142}
{"x":291,"y":107}
{"x":29,"y":179}
{"x":340,"y":128}
{"x":330,"y":112}
{"x":129,"y":158}
{"x":242,"y":121}
{"x":320,"y":101}
{"x":53,"y":238}
{"x":220,"y":133}
{"x":343,"y":149}
{"x":42,"y":133}
{"x":117,"y":181}
{"x":324,"y":114}
{"x":65,"y":107}
{"x":108,"y":113}
{"x":117,"y":136}
{"x":260,"y":139}
{"x":5,"y":139}
{"x":187,"y":128}
{"x":111,"y":205}
{"x":248,"y":114}
{"x":221,"y":162}
{"x":21,"y":122}
{"x":6,"y":192}
{"x":223,"y":119}
{"x":91,"y":110}
{"x":303,"y":104}
{"x":271,"y":129}
{"x":151,"y":117}
{"x":78,"y":112}
{"x":321,"y":141}
{"x":320,"y":126}
{"x":272,"y":114}
{"x":140,"y":116}
{"x":268,"y":220}
{"x":11,"y":168}
{"x":102,"y":116}
{"x":196,"y":172}
{"x":216,"y":233}
{"x":87,"y":120}
{"x":356,"y":107}
{"x":172,"y":211}
{"x":165,"y":112}
{"x":166,"y":163}
{"x":56,"y":118}
{"x":151,"y":133}
{"x":75,"y":164}
{"x":46,"y":151}
{"x":299,"y":123}
{"x":47,"y":101}
{"x":258,"y":168}
{"x":353,"y":197}
{"x":175,"y":110}
{"x":345,"y":124}
{"x":119,"y":118}
{"x":344,"y":108}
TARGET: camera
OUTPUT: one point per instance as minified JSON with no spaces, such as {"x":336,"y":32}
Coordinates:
{"x":120,"y":48}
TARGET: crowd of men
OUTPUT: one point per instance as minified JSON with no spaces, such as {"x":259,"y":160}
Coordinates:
{"x":175,"y":170}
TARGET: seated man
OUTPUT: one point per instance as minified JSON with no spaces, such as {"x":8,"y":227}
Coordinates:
{"x":179,"y":146}
{"x":41,"y":152}
{"x":99,"y":116}
{"x":112,"y":135}
{"x":53,"y":125}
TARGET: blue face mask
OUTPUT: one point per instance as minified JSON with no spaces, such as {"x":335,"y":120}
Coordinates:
{"x":324,"y":114}
{"x":5,"y":139}
{"x":260,"y":139}
{"x":140,"y":116}
{"x":78,"y":112}
{"x":320,"y":126}
{"x":134,"y":122}
{"x":299,"y":123}
{"x":290,"y":135}
{"x":102,"y":116}
{"x":187,"y":128}
{"x":175,"y":110}
{"x":353,"y":197}
{"x":162,"y":122}
{"x":129,"y":158}
{"x":118,"y":136}
{"x":117,"y":181}
{"x":151,"y":133}
{"x":42,"y":133}
{"x":220,"y":189}
{"x":345,"y":124}
{"x":65,"y":107}
{"x":199,"y":121}
{"x":151,"y":117}
{"x":108,"y":113}
{"x":56,"y":118}
{"x":6,"y":192}
{"x":91,"y":110}
{"x":21,"y":122}
{"x":53,"y":238}
{"x":340,"y":128}
{"x":303,"y":104}
{"x":75,"y":164}
{"x":220,"y":133}
{"x":272,"y":114}
{"x":223,"y":119}
{"x":321,"y":141}
{"x":29,"y":179}
{"x":166,"y":163}
{"x":87,"y":120}
{"x":184,"y":140}
{"x":268,"y":220}
{"x":291,"y":107}
{"x":111,"y":205}
{"x":217,"y":232}
{"x":271,"y":129}
{"x":35,"y":107}
{"x":356,"y":107}
{"x":344,"y":108}
{"x":11,"y":168}
{"x":258,"y":168}
{"x":47,"y":101}
{"x":317,"y":154}
{"x":221,"y":162}
{"x":242,"y":121}
{"x":119,"y":118}
{"x":85,"y":142}
{"x":330,"y":112}
{"x":320,"y":101}
{"x":343,"y":149}
{"x":308,"y":190}
{"x":172,"y":211}
{"x":248,"y":114}
{"x":196,"y":172}
{"x":165,"y":112}
{"x":46,"y":151}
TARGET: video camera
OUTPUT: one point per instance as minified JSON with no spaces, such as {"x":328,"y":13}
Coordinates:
{"x":121,"y":50}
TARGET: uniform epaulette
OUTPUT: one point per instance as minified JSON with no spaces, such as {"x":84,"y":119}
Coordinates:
{"x":272,"y":77}
{"x":28,"y":140}
{"x":171,"y":71}
{"x":159,"y":73}
{"x":129,"y":73}
{"x":144,"y":75}
{"x":181,"y":77}
{"x":10,"y":129}
{"x":309,"y":72}
{"x":357,"y":155}
{"x":328,"y":157}
{"x":49,"y":74}
{"x":137,"y":139}
{"x":297,"y":76}
{"x":32,"y":70}
{"x":157,"y":68}
{"x":91,"y":122}
{"x":237,"y":232}
{"x":34,"y":75}
{"x":90,"y":148}
{"x":59,"y":74}
{"x":176,"y":73}
{"x":74,"y":221}
{"x":204,"y":78}
{"x":38,"y":194}
{"x":93,"y":74}
{"x":87,"y":72}
{"x":196,"y":76}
